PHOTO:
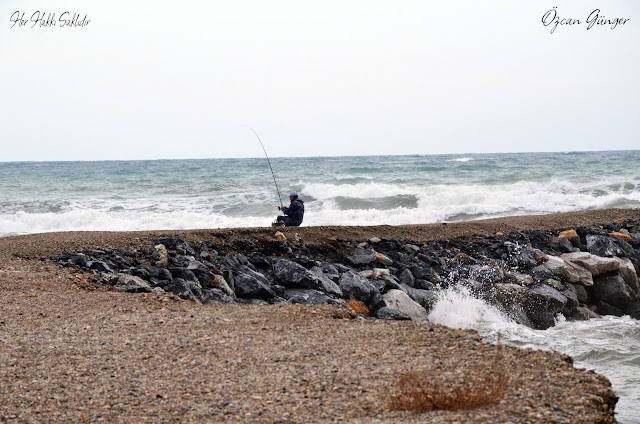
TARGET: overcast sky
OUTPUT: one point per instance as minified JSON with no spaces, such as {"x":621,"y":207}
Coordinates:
{"x":152,"y":79}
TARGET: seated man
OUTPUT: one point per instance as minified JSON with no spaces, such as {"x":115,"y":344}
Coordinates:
{"x":294,"y":213}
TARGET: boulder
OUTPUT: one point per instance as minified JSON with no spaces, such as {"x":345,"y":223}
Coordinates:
{"x":160,"y":256}
{"x":216,"y":296}
{"x":407,"y":278}
{"x":132,"y":284}
{"x":426,"y":298}
{"x":581,"y":292}
{"x":583,"y":314}
{"x":622,"y":236}
{"x":596,"y":265}
{"x":326,"y":284}
{"x":612,"y":289}
{"x":400,"y":301}
{"x":510,"y":299}
{"x":569,"y":271}
{"x":356,"y":287}
{"x":362,"y":256}
{"x":188,"y":290}
{"x":542,"y":304}
{"x":628,"y":273}
{"x":569,"y":234}
{"x":603,"y":308}
{"x":633,"y":310}
{"x":608,"y":246}
{"x":309,"y":296}
{"x":572,"y":301}
{"x":518,"y":278}
{"x":383,"y":259}
{"x":358,"y":307}
{"x":391,"y":314}
{"x":220,"y":283}
{"x":248,"y":286}
{"x":100,"y":266}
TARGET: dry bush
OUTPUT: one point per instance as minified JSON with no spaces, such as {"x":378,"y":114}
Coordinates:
{"x":461,"y":388}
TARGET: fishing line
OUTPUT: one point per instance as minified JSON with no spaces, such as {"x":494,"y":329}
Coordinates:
{"x":269,"y":162}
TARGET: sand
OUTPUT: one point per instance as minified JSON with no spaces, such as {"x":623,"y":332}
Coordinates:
{"x":71,"y":351}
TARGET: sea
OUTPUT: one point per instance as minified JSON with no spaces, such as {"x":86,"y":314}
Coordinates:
{"x":38,"y":197}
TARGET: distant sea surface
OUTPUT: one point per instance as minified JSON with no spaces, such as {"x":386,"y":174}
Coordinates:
{"x":217,"y":193}
{"x":372,"y":190}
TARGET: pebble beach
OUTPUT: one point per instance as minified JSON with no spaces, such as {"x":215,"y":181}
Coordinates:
{"x":74,"y":351}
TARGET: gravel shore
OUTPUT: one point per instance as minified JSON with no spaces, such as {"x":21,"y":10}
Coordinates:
{"x":71,"y":351}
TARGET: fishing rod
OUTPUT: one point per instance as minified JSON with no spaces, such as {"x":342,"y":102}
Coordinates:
{"x":269,"y":162}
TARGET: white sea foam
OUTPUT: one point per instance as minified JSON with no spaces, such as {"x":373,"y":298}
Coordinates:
{"x":461,"y":160}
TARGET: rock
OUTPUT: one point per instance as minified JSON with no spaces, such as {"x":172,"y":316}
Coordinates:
{"x":356,"y":287}
{"x":424,"y":284}
{"x":331,"y":272}
{"x":622,"y":236}
{"x":510,"y":299}
{"x":400,"y":301}
{"x":634,"y":310}
{"x":248,"y":286}
{"x":425,"y":298}
{"x":628,"y":273}
{"x":132,"y":284}
{"x":407,"y":278}
{"x":384,"y":259}
{"x":523,"y":258}
{"x":99,"y":266}
{"x":309,"y":296}
{"x":216,"y":296}
{"x":583,"y":314}
{"x":161,"y":256}
{"x":581,"y":293}
{"x":374,"y":240}
{"x":188,"y":290}
{"x":542,"y":304}
{"x":380,"y":273}
{"x":571,"y":272}
{"x":572,"y":301}
{"x":326,"y":284}
{"x":280,"y":236}
{"x":596,"y":265}
{"x":569,"y":234}
{"x":564,"y":245}
{"x":608,"y":246}
{"x":362,"y":256}
{"x":541,"y":273}
{"x":358,"y":307}
{"x":391,"y":314}
{"x":612,"y":289}
{"x":220,"y":283}
{"x":518,"y":278}
{"x":604,"y":308}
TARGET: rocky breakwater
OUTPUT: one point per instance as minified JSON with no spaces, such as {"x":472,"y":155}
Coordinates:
{"x":531,"y":276}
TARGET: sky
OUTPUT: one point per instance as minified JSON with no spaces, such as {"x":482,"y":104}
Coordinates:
{"x":176,"y":80}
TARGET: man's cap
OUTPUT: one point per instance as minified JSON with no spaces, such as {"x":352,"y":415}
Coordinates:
{"x":293,"y":193}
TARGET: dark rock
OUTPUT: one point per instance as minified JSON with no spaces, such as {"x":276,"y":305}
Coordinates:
{"x":331,"y":271}
{"x":306,"y":262}
{"x":326,"y":284}
{"x":132,"y":284}
{"x":581,"y":293}
{"x":362,"y":256}
{"x":391,"y":283}
{"x":424,"y":285}
{"x":426,"y":298}
{"x":608,"y":246}
{"x":541,"y":273}
{"x":310,"y":296}
{"x":216,"y":296}
{"x":189,"y":290}
{"x":99,"y":266}
{"x":391,"y":314}
{"x":248,"y":286}
{"x":260,"y":262}
{"x":184,"y":273}
{"x":603,"y":308}
{"x":611,"y":289}
{"x":542,"y":305}
{"x":78,"y":260}
{"x":407,"y":278}
{"x":572,"y":301}
{"x":583,"y":314}
{"x":633,"y":310}
{"x":564,"y":245}
{"x":356,"y":287}
{"x":160,"y":273}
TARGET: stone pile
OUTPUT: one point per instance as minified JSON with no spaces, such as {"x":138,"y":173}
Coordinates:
{"x":531,"y":276}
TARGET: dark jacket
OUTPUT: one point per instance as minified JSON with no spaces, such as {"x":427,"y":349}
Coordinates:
{"x":294,"y":213}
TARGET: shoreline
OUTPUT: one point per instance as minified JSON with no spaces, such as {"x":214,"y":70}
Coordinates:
{"x":91,"y":353}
